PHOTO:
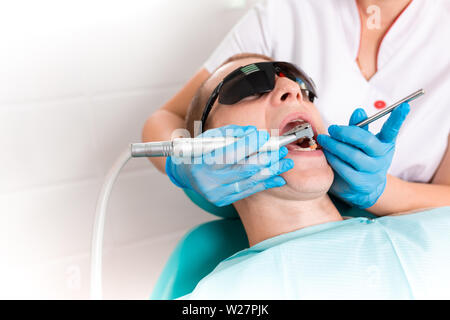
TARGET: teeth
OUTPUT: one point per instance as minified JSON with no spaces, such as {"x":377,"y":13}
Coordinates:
{"x":303,"y":149}
{"x":312,"y":145}
{"x":298,"y":121}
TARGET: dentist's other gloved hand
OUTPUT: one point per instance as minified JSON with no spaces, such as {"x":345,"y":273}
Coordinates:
{"x":240,"y":175}
{"x":360,"y":159}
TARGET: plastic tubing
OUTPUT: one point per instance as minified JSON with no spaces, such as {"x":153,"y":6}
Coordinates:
{"x":99,"y":225}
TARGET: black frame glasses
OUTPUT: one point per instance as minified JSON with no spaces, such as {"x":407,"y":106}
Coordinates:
{"x":256,"y":79}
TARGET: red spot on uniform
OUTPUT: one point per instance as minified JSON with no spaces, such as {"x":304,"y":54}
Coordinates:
{"x":380,"y":104}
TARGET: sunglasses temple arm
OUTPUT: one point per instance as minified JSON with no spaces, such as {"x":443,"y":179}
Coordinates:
{"x":212,"y":99}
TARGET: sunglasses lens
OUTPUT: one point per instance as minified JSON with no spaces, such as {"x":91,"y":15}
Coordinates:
{"x":250,"y":80}
{"x":260,"y":78}
{"x":298,"y":75}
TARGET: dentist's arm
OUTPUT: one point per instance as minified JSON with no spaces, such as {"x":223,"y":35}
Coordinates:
{"x":402,"y":196}
{"x":160,"y":125}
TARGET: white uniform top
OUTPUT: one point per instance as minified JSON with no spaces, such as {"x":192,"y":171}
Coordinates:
{"x":322,"y":37}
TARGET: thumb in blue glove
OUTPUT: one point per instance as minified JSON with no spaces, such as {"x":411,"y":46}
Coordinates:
{"x":360,"y":159}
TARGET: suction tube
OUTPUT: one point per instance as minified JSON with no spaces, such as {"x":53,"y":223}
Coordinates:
{"x":99,"y":224}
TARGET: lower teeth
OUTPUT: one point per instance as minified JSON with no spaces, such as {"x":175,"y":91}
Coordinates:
{"x":302,"y":149}
{"x":312,"y":146}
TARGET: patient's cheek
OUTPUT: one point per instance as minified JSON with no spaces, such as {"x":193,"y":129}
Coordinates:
{"x":244,"y":114}
{"x":314,"y":181}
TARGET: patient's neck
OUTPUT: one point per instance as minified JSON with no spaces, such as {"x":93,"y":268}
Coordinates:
{"x":265,"y":217}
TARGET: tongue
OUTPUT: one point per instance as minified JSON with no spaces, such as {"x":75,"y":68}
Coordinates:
{"x":304,"y":143}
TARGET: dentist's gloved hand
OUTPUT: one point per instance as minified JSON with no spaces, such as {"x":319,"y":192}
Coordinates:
{"x":224,"y":182}
{"x":360,"y":159}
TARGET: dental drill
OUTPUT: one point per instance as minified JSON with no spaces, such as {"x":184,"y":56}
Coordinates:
{"x":183,"y":147}
{"x":191,"y":147}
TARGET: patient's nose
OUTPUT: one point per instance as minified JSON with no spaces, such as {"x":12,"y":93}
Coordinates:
{"x":285,"y":91}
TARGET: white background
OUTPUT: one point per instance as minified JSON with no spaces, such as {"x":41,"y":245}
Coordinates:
{"x":78,"y":79}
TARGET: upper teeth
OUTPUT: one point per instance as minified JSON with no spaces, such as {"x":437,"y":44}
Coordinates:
{"x":298,"y":120}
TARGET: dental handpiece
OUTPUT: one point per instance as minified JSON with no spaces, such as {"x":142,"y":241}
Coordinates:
{"x":190,"y":147}
{"x":389,"y":109}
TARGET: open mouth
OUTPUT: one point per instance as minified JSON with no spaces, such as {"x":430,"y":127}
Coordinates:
{"x":304,"y":144}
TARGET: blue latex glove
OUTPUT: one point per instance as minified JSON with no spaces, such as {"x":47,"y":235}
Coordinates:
{"x":360,"y":160}
{"x":241,"y":176}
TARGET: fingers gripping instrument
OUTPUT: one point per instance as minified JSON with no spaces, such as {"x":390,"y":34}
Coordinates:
{"x":391,"y":108}
{"x":191,"y":147}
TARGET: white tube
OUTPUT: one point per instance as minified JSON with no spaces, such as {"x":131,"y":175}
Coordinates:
{"x":99,"y":224}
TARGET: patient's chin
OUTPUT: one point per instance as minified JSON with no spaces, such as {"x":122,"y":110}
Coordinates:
{"x":307,"y":184}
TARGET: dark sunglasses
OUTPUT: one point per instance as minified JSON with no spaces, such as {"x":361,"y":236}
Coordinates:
{"x":256,"y":79}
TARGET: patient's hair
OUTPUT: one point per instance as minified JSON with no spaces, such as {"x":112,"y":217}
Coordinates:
{"x":201,"y":97}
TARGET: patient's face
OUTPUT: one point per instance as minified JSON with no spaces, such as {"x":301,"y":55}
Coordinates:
{"x":311,"y":176}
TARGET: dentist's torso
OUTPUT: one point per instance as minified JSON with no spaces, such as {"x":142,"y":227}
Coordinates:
{"x":323,"y":37}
